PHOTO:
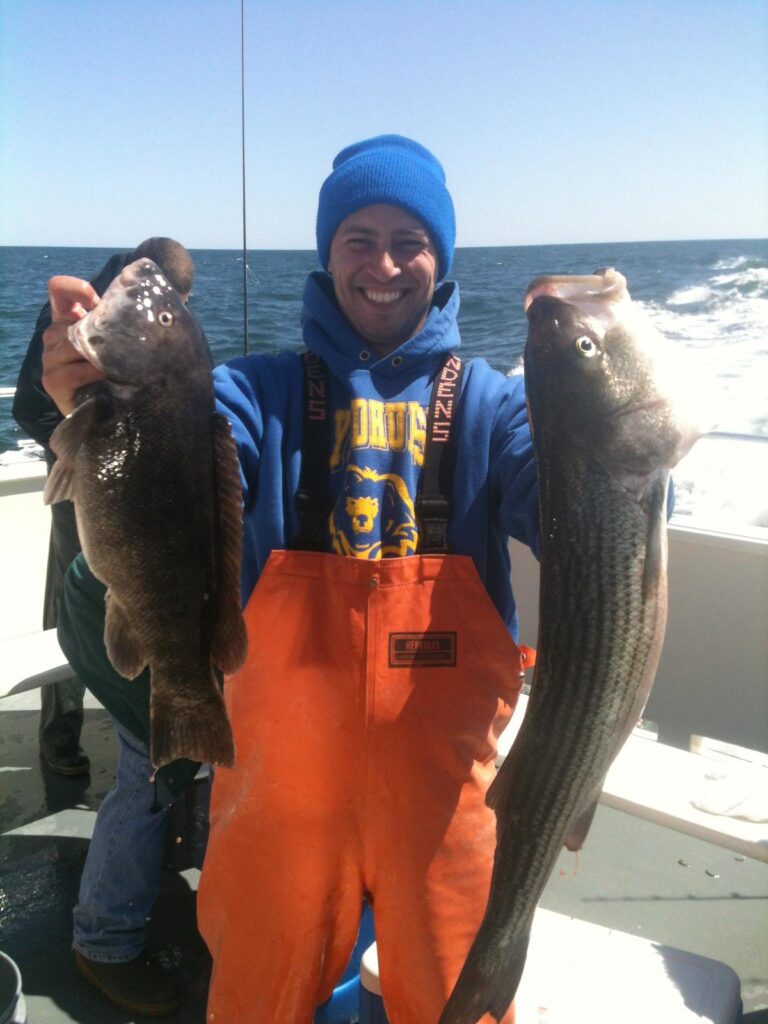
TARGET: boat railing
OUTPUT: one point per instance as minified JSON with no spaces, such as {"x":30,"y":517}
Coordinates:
{"x":711,"y":680}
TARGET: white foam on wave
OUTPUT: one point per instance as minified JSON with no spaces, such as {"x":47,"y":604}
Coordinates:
{"x":731,"y":263}
{"x":743,"y":279}
{"x":729,"y":340}
{"x":687,"y":296}
{"x":719,"y":485}
{"x":730,"y":317}
{"x":696,"y":330}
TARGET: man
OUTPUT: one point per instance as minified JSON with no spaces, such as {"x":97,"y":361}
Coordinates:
{"x":61,"y":704}
{"x":381,"y":481}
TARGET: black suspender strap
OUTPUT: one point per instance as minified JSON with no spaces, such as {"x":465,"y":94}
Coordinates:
{"x":433,"y":503}
{"x":313,"y":497}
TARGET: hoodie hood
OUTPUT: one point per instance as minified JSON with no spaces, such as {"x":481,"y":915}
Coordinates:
{"x":328,"y":334}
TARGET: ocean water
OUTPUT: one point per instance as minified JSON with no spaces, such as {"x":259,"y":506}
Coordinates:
{"x":710,"y":297}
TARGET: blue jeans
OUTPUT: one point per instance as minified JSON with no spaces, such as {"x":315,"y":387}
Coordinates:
{"x":123,"y":869}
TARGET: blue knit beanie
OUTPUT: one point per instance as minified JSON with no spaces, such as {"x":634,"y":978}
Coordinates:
{"x":388,"y":169}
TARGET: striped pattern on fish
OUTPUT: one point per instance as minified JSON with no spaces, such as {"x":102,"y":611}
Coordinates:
{"x":606,"y":434}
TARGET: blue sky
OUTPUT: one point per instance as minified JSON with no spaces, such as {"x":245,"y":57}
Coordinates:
{"x":557,"y":122}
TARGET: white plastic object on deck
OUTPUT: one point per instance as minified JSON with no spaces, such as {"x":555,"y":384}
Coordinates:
{"x":582,"y":973}
{"x":31,"y":660}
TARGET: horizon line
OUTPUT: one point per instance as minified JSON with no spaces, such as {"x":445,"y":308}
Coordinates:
{"x":458,"y":248}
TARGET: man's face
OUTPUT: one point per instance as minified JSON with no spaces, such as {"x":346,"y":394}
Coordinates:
{"x":384,"y":269}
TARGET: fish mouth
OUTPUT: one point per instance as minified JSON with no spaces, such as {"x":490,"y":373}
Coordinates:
{"x":601,"y":298}
{"x":630,"y":408}
{"x":88,"y":344}
{"x":604,"y":286}
{"x":80,"y":341}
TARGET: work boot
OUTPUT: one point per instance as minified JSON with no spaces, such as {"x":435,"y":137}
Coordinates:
{"x":140,"y":985}
{"x":75,"y":763}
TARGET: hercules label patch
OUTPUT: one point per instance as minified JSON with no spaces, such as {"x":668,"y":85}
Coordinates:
{"x":423,"y":650}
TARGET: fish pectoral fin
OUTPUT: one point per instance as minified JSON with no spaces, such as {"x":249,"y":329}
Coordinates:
{"x":229,"y":643}
{"x":60,"y":485}
{"x":579,"y":828}
{"x":74,"y":429}
{"x":65,"y":444}
{"x":656,"y":543}
{"x":123,"y":646}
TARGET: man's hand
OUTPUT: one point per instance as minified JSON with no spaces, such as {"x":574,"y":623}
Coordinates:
{"x":64,"y":369}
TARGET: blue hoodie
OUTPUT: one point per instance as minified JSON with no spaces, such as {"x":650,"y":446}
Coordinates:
{"x":379,"y":409}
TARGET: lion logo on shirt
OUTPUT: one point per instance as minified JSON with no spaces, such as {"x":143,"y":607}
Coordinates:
{"x":374,"y":516}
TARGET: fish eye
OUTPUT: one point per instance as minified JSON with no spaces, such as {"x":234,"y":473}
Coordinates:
{"x":585,"y":346}
{"x":165,"y":319}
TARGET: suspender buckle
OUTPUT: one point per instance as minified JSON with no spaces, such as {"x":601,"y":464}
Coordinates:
{"x":433,"y":514}
{"x":313,"y":513}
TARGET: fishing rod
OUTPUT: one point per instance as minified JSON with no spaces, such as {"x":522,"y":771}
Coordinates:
{"x":242,"y":152}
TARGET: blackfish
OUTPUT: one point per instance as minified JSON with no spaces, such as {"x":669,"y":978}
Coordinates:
{"x":153,"y":472}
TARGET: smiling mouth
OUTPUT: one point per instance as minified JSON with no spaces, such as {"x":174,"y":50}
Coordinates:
{"x":381,"y":298}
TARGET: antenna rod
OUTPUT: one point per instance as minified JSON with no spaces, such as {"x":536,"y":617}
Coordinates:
{"x":242,"y":148}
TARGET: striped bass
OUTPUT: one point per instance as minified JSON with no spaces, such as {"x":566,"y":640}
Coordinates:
{"x":606,"y":431}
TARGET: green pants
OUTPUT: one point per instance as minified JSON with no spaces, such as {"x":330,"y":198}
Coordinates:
{"x":61,"y":704}
{"x":81,"y":636}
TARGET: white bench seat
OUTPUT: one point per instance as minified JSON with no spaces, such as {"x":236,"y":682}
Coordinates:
{"x":662,"y":784}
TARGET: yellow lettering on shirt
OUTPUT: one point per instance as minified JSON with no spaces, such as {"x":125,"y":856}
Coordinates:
{"x":385,"y":426}
{"x":377,"y":436}
{"x":360,"y":423}
{"x":396,"y":425}
{"x":341,"y":422}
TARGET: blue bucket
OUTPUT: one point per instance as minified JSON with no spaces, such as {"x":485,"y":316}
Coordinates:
{"x":344,"y":1005}
{"x":13,"y":1008}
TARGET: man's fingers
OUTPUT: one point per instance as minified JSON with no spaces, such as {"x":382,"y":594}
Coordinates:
{"x":56,"y":345}
{"x":70,"y":298}
{"x":64,"y":368}
{"x":63,"y":380}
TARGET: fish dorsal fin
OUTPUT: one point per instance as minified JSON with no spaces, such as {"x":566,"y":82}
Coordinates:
{"x":656,"y":543}
{"x":66,"y":441}
{"x":229,"y":643}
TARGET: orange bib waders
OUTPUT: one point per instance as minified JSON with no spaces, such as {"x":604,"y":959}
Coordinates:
{"x":365,"y":722}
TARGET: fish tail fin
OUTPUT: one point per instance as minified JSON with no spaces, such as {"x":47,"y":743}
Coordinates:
{"x":199,"y":731}
{"x":486,"y":985}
